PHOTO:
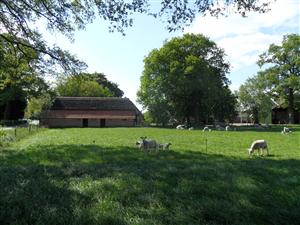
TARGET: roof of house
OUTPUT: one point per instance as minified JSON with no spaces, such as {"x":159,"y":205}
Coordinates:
{"x":93,"y":103}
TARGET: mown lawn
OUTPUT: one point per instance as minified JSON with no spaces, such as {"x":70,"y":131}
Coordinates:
{"x":97,"y":176}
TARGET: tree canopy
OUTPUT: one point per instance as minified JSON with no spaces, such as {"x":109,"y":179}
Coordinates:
{"x":18,"y":78}
{"x":101,"y":79}
{"x":283,"y":73}
{"x":88,"y":85}
{"x":65,"y":16}
{"x":255,"y":99}
{"x":186,"y":79}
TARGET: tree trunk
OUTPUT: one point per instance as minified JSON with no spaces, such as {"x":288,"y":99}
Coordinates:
{"x":291,"y":106}
{"x":255,"y":116}
{"x":188,"y":121}
{"x":7,"y":111}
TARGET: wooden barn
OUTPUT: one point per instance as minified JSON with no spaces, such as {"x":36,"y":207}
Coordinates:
{"x":92,"y":112}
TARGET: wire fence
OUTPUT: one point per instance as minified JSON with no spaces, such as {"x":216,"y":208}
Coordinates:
{"x":12,"y":134}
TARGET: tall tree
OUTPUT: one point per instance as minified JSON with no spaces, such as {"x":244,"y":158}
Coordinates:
{"x":18,"y":79}
{"x":65,"y":16}
{"x":185,"y":79}
{"x":101,"y":79}
{"x":255,"y":99}
{"x":284,"y":71}
{"x":78,"y":86}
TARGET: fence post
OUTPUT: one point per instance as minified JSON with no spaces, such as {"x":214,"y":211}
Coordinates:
{"x":15,"y":132}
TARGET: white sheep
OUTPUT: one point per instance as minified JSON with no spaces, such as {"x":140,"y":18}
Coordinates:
{"x":227,"y":128}
{"x":147,"y":144}
{"x":259,"y":145}
{"x":191,"y":128}
{"x":205,"y":129}
{"x":180,"y":127}
{"x":286,"y":130}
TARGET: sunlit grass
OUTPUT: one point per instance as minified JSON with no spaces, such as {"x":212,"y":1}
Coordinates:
{"x":98,"y":176}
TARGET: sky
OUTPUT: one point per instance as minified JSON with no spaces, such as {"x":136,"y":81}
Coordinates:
{"x":120,"y":57}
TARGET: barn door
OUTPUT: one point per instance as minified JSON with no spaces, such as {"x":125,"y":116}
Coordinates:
{"x":85,"y":123}
{"x":102,"y":123}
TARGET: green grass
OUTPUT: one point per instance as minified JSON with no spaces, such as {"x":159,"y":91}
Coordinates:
{"x":97,"y":176}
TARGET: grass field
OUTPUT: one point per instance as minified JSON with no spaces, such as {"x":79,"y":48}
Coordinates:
{"x":97,"y":176}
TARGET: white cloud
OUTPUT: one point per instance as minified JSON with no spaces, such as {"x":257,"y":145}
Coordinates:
{"x":243,"y":50}
{"x":245,"y":38}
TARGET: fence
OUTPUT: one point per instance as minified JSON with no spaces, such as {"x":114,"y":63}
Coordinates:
{"x":11,"y":134}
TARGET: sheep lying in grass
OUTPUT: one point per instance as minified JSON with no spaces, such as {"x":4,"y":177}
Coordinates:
{"x":259,"y":145}
{"x":180,"y":127}
{"x":286,"y":130}
{"x":147,"y":144}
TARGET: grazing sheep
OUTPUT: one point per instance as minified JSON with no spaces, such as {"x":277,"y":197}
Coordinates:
{"x":286,"y":130}
{"x":164,"y":146}
{"x":259,"y":145}
{"x":147,"y":144}
{"x":205,"y":129}
{"x":227,"y":128}
{"x":180,"y":127}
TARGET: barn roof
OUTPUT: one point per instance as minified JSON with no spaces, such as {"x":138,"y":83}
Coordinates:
{"x":93,"y":103}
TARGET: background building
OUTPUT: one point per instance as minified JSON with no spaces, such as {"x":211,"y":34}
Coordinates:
{"x":92,"y":112}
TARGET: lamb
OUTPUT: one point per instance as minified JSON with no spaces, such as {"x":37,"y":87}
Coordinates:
{"x":206,"y":129}
{"x":164,"y":146}
{"x":258,"y":145}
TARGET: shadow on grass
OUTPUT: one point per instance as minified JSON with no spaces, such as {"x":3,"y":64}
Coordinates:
{"x":88,"y":184}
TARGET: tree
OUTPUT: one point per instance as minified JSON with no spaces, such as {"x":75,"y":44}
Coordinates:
{"x":78,"y":86}
{"x":18,"y":79}
{"x":65,"y":16}
{"x":255,"y":99}
{"x":284,"y":73}
{"x":101,"y":79}
{"x":36,"y":105}
{"x":186,"y":79}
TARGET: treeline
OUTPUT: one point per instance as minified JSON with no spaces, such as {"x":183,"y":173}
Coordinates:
{"x":185,"y":82}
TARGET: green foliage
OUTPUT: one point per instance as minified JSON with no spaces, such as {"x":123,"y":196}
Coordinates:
{"x":18,"y":78}
{"x":255,"y":99}
{"x":78,"y":86}
{"x":283,"y":74}
{"x":101,"y":79}
{"x":36,"y":105}
{"x":65,"y":16}
{"x":186,"y":79}
{"x":97,"y":176}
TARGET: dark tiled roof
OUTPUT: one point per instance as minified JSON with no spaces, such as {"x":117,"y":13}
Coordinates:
{"x":93,"y":103}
